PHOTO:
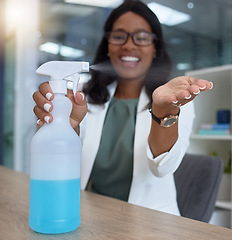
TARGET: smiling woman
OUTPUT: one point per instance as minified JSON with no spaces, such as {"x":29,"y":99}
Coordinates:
{"x":132,"y":58}
{"x":152,"y":56}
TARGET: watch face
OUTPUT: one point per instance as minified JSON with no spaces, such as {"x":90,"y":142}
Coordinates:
{"x":169,"y":121}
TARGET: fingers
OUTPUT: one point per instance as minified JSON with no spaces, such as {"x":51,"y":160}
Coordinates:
{"x":42,"y":115}
{"x":195,"y":87}
{"x":199,"y":84}
{"x":185,"y":96}
{"x":46,"y":91}
{"x":42,"y":102}
{"x":44,"y":105}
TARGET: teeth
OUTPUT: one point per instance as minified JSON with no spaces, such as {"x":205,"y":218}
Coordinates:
{"x":130,"y":59}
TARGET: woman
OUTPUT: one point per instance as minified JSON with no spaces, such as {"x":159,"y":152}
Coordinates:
{"x":131,"y":153}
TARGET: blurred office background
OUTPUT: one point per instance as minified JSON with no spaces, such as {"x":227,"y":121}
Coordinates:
{"x":198,"y":34}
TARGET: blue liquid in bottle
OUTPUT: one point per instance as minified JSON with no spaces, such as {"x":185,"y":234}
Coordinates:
{"x":54,"y":205}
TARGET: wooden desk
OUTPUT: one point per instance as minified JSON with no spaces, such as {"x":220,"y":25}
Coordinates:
{"x":101,"y":218}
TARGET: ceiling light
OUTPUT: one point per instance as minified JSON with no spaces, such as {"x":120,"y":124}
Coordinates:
{"x":50,"y":47}
{"x":97,"y":3}
{"x":64,"y":51}
{"x":168,"y":16}
{"x":190,"y":5}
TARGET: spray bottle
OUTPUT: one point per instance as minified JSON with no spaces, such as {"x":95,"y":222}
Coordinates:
{"x":55,"y":158}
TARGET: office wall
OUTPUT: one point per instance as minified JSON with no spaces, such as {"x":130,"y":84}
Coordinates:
{"x":204,"y":41}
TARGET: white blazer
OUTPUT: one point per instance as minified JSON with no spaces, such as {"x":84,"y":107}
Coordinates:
{"x":152,"y":183}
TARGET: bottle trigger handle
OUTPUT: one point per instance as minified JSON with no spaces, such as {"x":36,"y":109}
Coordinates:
{"x":75,"y":79}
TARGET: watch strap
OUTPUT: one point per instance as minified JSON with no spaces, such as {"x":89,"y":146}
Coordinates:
{"x":158,"y":120}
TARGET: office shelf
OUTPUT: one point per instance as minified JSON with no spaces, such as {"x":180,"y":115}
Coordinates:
{"x":224,"y":204}
{"x":211,"y":137}
{"x":206,"y":106}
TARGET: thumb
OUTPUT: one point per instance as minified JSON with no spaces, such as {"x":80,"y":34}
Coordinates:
{"x":79,"y":98}
{"x":79,"y":109}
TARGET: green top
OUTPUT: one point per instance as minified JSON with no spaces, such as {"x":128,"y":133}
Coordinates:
{"x":113,"y":167}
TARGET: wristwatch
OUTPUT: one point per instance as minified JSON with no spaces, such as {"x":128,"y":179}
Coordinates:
{"x":167,"y":121}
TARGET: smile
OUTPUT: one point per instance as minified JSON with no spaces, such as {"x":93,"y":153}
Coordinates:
{"x":129,"y":59}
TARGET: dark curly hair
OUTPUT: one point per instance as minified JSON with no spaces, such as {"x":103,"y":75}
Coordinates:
{"x":159,"y":71}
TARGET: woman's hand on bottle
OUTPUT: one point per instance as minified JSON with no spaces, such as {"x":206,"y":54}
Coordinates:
{"x":177,"y":92}
{"x":79,"y":109}
{"x":43,"y":108}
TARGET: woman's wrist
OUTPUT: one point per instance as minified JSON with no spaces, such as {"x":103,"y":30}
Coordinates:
{"x":77,"y":129}
{"x":162,"y":112}
{"x":75,"y":125}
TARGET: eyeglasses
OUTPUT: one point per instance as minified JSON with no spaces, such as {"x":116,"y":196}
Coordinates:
{"x":139,"y":38}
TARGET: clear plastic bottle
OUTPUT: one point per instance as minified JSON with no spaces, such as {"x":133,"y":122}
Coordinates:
{"x":55,"y":163}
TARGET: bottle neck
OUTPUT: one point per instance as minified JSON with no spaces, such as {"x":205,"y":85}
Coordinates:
{"x":62,"y":108}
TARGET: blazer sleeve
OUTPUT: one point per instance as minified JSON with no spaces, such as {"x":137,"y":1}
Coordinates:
{"x":168,"y":162}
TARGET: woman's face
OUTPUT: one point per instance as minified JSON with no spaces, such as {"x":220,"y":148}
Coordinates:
{"x":131,"y":62}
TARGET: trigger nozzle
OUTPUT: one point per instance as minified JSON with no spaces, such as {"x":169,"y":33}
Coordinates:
{"x":75,"y":79}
